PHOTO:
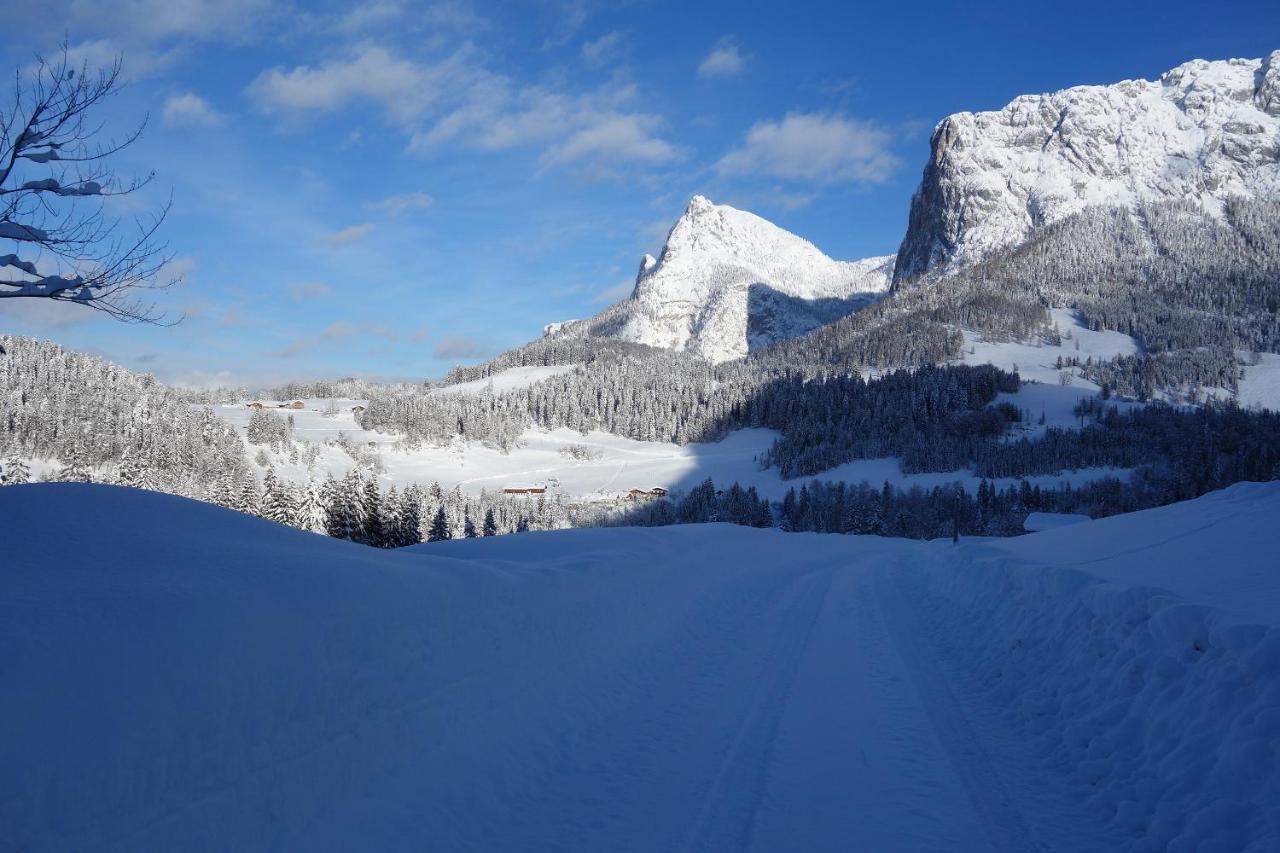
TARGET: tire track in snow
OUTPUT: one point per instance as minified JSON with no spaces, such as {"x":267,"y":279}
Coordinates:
{"x":737,"y":788}
{"x":1004,"y":824}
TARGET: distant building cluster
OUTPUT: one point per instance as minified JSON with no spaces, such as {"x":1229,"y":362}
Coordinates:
{"x":259,"y":405}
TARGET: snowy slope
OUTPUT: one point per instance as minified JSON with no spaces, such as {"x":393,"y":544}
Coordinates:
{"x":616,"y":464}
{"x":1037,"y":360}
{"x":179,"y":677}
{"x":1260,"y":386}
{"x":1205,"y":131}
{"x":728,"y":282}
{"x":511,"y":379}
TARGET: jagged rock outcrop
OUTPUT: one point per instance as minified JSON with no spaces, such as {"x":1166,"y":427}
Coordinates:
{"x":1205,"y":131}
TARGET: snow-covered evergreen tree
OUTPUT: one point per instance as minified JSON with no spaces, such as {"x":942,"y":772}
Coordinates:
{"x":312,"y":514}
{"x":276,"y":503}
{"x":15,"y":472}
{"x":439,"y":527}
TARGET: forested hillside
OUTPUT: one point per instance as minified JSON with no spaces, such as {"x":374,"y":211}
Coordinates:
{"x":97,"y":420}
{"x":1172,"y":275}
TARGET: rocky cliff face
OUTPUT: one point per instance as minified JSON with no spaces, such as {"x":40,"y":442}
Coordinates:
{"x":728,"y":282}
{"x":1205,"y":131}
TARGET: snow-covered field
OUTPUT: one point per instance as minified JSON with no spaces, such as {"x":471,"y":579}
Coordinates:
{"x":619,"y":463}
{"x":1038,"y":361}
{"x":1261,"y":384}
{"x":616,"y":464}
{"x":179,"y":677}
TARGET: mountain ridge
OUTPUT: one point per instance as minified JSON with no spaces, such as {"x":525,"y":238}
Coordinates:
{"x":1205,"y":131}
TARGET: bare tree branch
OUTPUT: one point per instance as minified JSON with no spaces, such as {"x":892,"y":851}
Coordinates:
{"x":53,"y":183}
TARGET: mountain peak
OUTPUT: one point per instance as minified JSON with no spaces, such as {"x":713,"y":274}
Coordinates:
{"x":698,"y":204}
{"x":1204,"y":132}
{"x":728,"y":281}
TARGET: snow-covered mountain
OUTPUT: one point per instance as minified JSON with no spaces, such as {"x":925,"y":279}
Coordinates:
{"x":728,"y":282}
{"x":1205,"y":131}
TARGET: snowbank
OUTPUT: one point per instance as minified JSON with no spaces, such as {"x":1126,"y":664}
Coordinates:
{"x":1160,"y":714}
{"x":1038,"y":521}
{"x":180,"y":677}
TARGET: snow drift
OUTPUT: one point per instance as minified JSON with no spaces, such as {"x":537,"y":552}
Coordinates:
{"x":182,"y":677}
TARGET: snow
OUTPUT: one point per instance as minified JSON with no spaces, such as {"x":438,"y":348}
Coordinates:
{"x":1204,"y":550}
{"x":618,"y":463}
{"x":729,"y":281}
{"x":1038,"y":521}
{"x":877,"y":471}
{"x":18,"y":231}
{"x":1036,"y":361}
{"x":511,"y":379}
{"x":1261,"y":384}
{"x":14,"y":261}
{"x":1203,"y":133}
{"x":310,"y":423}
{"x":180,"y":677}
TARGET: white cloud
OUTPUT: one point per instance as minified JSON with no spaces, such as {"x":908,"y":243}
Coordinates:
{"x":394,"y":205}
{"x":178,"y":267}
{"x":139,"y":20}
{"x":190,"y":110}
{"x":815,"y":148}
{"x":46,"y":313}
{"x":569,"y":17}
{"x":347,"y":236}
{"x":339,"y":331}
{"x":404,"y":89}
{"x":149,"y":34}
{"x":612,"y":140}
{"x":603,"y":50}
{"x":459,"y":346}
{"x":99,"y":54}
{"x":458,"y":101}
{"x":306,"y":290}
{"x":593,"y":130}
{"x":369,"y":15}
{"x":724,"y":60}
{"x":617,"y":293}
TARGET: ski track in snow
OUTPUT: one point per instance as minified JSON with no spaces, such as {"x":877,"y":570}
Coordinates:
{"x":697,"y":688}
{"x":741,"y":774}
{"x":1004,"y":824}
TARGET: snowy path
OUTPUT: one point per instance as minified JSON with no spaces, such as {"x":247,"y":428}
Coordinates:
{"x":707,"y":688}
{"x":1004,"y":824}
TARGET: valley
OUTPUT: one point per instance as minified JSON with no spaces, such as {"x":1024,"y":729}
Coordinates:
{"x":967,"y":546}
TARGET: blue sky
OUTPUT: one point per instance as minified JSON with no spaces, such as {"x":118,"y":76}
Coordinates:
{"x":389,"y":188}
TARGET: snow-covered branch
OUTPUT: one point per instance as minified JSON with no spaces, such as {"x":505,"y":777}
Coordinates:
{"x":51,"y":166}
